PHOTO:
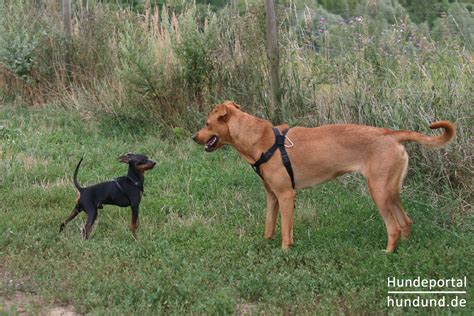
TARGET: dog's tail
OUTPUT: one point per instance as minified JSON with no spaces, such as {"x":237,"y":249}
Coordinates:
{"x":430,"y":141}
{"x":75,"y":175}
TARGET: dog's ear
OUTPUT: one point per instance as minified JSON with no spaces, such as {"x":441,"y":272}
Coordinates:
{"x":236,"y":105}
{"x":222,"y":111}
{"x":124,"y":158}
{"x":231,"y":104}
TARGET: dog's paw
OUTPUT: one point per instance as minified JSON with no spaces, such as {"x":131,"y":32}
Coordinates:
{"x":83,"y":233}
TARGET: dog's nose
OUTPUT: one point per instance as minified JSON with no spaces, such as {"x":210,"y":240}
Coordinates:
{"x":194,"y":137}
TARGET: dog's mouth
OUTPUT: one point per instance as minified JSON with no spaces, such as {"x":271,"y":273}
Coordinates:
{"x":151,"y":164}
{"x":146,"y":166}
{"x":211,"y":143}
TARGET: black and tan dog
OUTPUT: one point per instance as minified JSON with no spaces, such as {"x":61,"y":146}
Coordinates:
{"x":123,"y":191}
{"x":308,"y":156}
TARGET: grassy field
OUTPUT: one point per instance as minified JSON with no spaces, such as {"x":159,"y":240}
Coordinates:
{"x":200,"y":247}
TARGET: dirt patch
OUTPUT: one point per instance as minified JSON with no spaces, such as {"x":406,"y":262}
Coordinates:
{"x":246,"y":308}
{"x":22,"y":303}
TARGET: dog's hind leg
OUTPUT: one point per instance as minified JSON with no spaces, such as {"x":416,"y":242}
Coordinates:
{"x":74,"y":213}
{"x":393,"y":188}
{"x":383,"y":202}
{"x":272,"y":213}
{"x":91,"y":217}
{"x":402,"y":218}
{"x":385,"y":177}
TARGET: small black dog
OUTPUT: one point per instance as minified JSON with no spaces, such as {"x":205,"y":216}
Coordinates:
{"x":123,"y":191}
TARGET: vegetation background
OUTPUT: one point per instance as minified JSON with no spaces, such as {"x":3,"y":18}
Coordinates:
{"x":142,"y":75}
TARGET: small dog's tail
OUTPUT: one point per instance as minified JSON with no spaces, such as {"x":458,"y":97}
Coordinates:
{"x":75,"y":175}
{"x":430,"y":141}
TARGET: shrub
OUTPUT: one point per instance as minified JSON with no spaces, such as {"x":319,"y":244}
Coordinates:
{"x":377,"y":68}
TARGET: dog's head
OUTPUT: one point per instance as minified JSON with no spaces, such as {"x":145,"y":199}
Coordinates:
{"x":215,"y":133}
{"x":138,"y":161}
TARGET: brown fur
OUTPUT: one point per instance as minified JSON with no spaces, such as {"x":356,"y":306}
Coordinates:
{"x":320,"y":154}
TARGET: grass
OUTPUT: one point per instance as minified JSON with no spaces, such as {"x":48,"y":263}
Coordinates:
{"x":200,"y":247}
{"x":168,"y":66}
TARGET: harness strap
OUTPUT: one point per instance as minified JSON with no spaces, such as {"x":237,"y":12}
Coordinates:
{"x":279,"y":143}
{"x":122,"y":190}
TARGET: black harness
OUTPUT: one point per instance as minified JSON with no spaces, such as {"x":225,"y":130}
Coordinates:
{"x":135,"y":184}
{"x":279,"y":143}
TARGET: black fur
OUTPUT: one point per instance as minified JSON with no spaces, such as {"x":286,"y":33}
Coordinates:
{"x":124,"y":191}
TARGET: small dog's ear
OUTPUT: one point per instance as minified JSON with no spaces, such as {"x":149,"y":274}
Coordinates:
{"x":124,"y":158}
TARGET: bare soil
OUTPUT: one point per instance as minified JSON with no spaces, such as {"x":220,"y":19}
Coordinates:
{"x":24,"y":303}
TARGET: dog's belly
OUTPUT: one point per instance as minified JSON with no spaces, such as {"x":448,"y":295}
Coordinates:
{"x":325,"y":153}
{"x":311,"y":170}
{"x":120,"y":201}
{"x":309,"y":180}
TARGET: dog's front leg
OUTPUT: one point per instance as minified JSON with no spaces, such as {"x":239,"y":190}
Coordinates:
{"x":286,"y":199}
{"x":134,"y":223}
{"x":272,"y":213}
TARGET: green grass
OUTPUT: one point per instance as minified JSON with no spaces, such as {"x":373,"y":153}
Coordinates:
{"x":200,"y":247}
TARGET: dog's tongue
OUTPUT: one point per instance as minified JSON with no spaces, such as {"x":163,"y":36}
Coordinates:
{"x":211,"y":143}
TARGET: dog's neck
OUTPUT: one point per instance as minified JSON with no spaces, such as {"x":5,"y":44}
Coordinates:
{"x":250,"y":136}
{"x":135,"y":175}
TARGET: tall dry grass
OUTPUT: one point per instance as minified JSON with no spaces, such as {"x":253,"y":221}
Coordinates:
{"x":170,"y":68}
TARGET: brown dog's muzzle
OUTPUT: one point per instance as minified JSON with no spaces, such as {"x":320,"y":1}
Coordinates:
{"x":209,"y":144}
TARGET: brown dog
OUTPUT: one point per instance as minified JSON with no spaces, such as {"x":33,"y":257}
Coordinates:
{"x":320,"y":154}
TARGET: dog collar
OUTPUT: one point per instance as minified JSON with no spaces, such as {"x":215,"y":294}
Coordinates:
{"x":137,"y":184}
{"x":280,"y":144}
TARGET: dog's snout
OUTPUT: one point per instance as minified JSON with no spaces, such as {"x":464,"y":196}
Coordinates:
{"x":195,"y":137}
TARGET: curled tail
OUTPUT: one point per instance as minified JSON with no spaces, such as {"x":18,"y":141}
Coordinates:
{"x":430,"y":141}
{"x":75,"y":175}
